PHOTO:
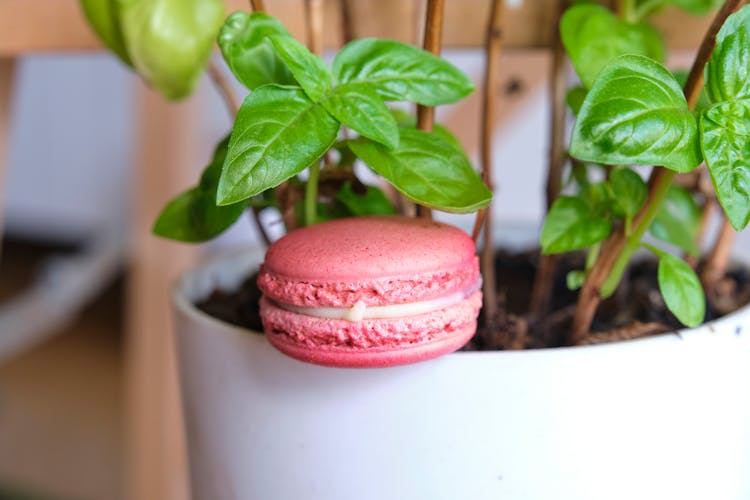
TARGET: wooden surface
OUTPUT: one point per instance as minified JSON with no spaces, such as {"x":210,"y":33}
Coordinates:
{"x":166,"y":162}
{"x":7,"y":76}
{"x":61,"y":403}
{"x":51,"y":25}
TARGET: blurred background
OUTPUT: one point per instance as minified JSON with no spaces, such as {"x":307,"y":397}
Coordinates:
{"x":88,"y":408}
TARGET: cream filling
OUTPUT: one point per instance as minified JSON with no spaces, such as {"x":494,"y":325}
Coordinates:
{"x":360,"y":310}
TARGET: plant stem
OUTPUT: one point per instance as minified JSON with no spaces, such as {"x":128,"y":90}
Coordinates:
{"x":311,"y":194}
{"x":347,"y":26}
{"x":314,"y":16}
{"x":707,"y":213}
{"x":257,"y":5}
{"x":633,"y":241}
{"x":224,"y":88}
{"x":255,"y":216}
{"x":718,"y":259}
{"x":626,"y":10}
{"x":647,"y":8}
{"x":232,"y":102}
{"x":493,"y":47}
{"x":541,"y":291}
{"x":433,"y":31}
{"x":592,"y":256}
{"x":618,"y":244}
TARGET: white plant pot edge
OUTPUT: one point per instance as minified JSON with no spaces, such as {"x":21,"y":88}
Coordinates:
{"x":666,"y":416}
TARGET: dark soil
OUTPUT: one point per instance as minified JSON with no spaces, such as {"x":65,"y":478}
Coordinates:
{"x":636,"y":310}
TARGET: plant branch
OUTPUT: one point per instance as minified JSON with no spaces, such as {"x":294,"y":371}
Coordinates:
{"x":718,"y":259}
{"x":255,"y":216}
{"x":311,"y":194}
{"x":618,"y":248}
{"x":257,"y":5}
{"x":647,"y":8}
{"x":707,"y":213}
{"x":544,"y":278}
{"x":224,"y":88}
{"x":493,"y":48}
{"x":347,"y":25}
{"x":314,"y":16}
{"x":433,"y":32}
{"x":626,"y":10}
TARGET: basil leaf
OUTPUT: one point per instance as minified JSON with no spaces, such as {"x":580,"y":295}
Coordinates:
{"x":681,"y":290}
{"x":628,"y":190}
{"x":593,"y":36}
{"x":571,"y":224}
{"x":703,"y":100}
{"x":193,"y":215}
{"x":308,"y":69}
{"x":678,"y":220}
{"x":278,"y":132}
{"x":408,"y":120}
{"x":698,"y":7}
{"x":372,"y":202}
{"x":725,"y":139}
{"x":248,"y":52}
{"x":400,"y":72}
{"x":574,"y":98}
{"x":428,"y":170}
{"x":575,"y":279}
{"x":728,"y":70}
{"x":598,"y":195}
{"x":170,"y":42}
{"x":103,"y":18}
{"x":636,"y":114}
{"x":360,"y":108}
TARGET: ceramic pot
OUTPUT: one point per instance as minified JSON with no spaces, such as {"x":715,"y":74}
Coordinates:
{"x":667,"y":417}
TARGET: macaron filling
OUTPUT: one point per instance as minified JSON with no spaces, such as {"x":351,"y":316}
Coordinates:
{"x":361,"y":311}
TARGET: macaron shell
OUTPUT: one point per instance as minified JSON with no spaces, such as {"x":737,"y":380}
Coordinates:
{"x":372,"y":292}
{"x":376,"y":260}
{"x":371,"y":343}
{"x":375,"y":358}
{"x":360,"y":248}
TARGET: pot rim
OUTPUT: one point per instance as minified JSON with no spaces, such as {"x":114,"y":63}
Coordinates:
{"x":741,"y":318}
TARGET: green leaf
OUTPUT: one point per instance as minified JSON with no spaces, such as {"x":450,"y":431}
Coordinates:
{"x":703,"y":100}
{"x":598,"y":195}
{"x":193,"y":215}
{"x":725,"y":139}
{"x":170,"y":41}
{"x":574,"y":98}
{"x":249,"y":53}
{"x":308,"y":69}
{"x":408,"y":120}
{"x":104,"y":19}
{"x":358,"y":107}
{"x":372,"y":202}
{"x":681,"y":290}
{"x":697,"y":7}
{"x":400,"y":72}
{"x":428,"y":170}
{"x":593,"y":36}
{"x":728,"y":70}
{"x":678,"y":220}
{"x":629,"y":191}
{"x":635,"y":114}
{"x":575,"y":279}
{"x":278,"y":132}
{"x":571,"y":224}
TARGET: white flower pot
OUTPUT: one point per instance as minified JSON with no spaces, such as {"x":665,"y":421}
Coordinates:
{"x":662,"y":418}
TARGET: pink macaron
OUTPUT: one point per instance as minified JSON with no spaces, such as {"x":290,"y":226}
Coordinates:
{"x":370,"y":291}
